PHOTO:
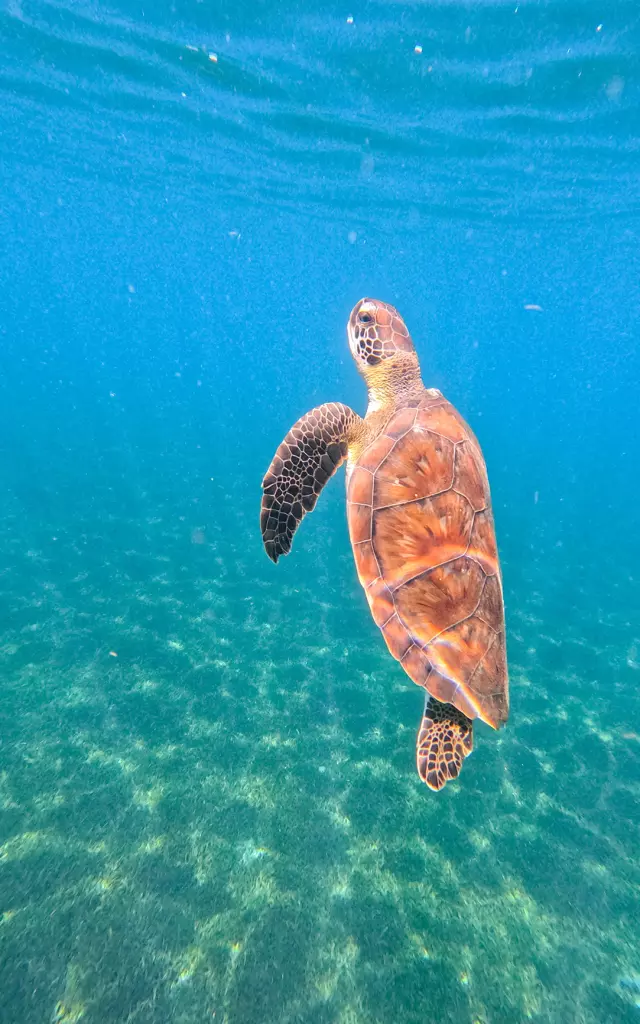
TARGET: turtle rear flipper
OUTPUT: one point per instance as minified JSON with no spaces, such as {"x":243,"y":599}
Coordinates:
{"x":310,"y":453}
{"x":444,"y":740}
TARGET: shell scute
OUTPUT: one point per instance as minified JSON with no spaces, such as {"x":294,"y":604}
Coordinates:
{"x":449,"y":691}
{"x":457,"y":651}
{"x":416,"y":665}
{"x":438,"y":599}
{"x":440,"y":416}
{"x":469,"y":477}
{"x":490,"y":605}
{"x":482,"y":543}
{"x":396,"y":636}
{"x":376,"y":453}
{"x":420,"y":465}
{"x":485,"y":686}
{"x":410,"y":539}
{"x":360,"y":489}
{"x":359,"y":523}
{"x":381,"y":602}
{"x":366,"y":562}
{"x":400,"y":422}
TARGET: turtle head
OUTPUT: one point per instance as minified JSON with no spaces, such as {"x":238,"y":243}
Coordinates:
{"x":376,"y":332}
{"x":382,"y":347}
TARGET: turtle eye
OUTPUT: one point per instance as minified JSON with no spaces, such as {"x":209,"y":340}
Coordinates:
{"x":365,"y":318}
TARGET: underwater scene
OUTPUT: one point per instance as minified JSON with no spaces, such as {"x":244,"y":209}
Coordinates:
{"x":209,"y":803}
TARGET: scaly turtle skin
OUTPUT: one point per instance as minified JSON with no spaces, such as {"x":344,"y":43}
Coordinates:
{"x":421,"y":528}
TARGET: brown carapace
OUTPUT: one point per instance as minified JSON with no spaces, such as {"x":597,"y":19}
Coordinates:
{"x":421,"y":528}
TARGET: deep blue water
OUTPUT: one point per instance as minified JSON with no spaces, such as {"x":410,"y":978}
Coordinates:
{"x":208,"y":802}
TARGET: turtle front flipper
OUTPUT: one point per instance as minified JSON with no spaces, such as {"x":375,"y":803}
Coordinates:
{"x":444,"y":740}
{"x":310,"y":453}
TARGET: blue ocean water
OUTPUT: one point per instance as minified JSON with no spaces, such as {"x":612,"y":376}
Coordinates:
{"x":208,"y":803}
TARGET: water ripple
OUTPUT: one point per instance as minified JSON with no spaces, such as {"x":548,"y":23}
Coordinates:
{"x":503,"y":110}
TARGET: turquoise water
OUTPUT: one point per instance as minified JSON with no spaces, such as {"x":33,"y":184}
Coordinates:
{"x":208,"y":802}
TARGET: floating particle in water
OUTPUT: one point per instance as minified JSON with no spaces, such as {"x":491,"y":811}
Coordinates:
{"x":350,"y":20}
{"x":367,"y":165}
{"x":599,"y":28}
{"x":417,"y":49}
{"x":213,"y":57}
{"x":614,"y":88}
{"x":533,"y":306}
{"x":113,"y":654}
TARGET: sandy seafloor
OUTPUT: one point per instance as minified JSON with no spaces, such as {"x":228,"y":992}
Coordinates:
{"x":209,"y":807}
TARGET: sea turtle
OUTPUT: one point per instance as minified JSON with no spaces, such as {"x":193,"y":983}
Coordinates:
{"x":421,"y":528}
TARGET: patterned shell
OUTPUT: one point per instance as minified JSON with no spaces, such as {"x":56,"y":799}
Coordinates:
{"x":422,"y":532}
